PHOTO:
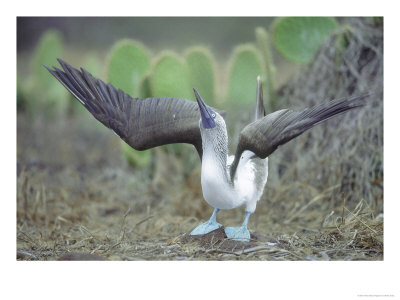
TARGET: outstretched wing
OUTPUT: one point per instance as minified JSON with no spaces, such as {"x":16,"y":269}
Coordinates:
{"x":141,"y":123}
{"x":265,"y":135}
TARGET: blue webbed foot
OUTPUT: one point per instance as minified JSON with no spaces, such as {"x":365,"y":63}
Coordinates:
{"x":208,"y":226}
{"x":241,"y":233}
{"x":205,"y":228}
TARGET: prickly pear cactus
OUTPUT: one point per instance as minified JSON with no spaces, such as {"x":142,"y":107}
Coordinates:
{"x":299,"y":38}
{"x":93,"y":64}
{"x":49,"y":47}
{"x":144,"y":87}
{"x":170,"y":78}
{"x":139,"y":159}
{"x":51,"y":94}
{"x":201,"y":66}
{"x":128,"y":62}
{"x":246,"y":64}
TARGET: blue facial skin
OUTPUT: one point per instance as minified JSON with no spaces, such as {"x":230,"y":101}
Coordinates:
{"x":207,"y":114}
{"x":206,"y":118}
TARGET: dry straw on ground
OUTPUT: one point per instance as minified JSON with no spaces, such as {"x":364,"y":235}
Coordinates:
{"x":78,"y":200}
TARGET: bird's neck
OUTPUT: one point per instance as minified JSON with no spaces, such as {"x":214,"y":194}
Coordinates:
{"x":214,"y":164}
{"x":215,"y":155}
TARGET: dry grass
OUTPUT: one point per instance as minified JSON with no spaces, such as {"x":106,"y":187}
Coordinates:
{"x":109,"y":212}
{"x":77,"y":199}
{"x":60,"y":223}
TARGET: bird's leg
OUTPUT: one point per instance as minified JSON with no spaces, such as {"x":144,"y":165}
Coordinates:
{"x":208,"y":226}
{"x":241,"y":233}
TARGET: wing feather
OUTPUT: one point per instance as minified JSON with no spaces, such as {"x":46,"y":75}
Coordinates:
{"x":265,"y":135}
{"x":141,"y":123}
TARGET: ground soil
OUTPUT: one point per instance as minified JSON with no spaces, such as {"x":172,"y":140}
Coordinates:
{"x":77,"y":199}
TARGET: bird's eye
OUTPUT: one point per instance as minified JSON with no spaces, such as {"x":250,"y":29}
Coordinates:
{"x":213,"y":115}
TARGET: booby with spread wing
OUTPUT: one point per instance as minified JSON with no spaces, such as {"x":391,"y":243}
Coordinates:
{"x":227,"y":182}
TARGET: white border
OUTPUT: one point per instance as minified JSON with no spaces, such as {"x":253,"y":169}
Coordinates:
{"x":187,"y":280}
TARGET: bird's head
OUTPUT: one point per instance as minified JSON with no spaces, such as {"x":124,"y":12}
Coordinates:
{"x":210,"y":119}
{"x":212,"y":127}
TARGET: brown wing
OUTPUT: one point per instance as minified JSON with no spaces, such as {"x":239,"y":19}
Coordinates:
{"x":265,"y":135}
{"x":141,"y":123}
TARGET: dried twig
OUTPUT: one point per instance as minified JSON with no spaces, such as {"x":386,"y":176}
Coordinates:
{"x":144,"y":220}
{"x":359,"y":219}
{"x":343,"y":204}
{"x":26,"y":253}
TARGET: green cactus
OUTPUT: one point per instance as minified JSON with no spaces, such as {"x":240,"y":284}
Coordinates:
{"x":139,"y":159}
{"x":201,"y":66}
{"x":128,"y":62}
{"x":93,"y":63}
{"x":299,"y":38}
{"x":246,"y":64}
{"x":170,"y":78}
{"x":144,"y":87}
{"x":49,"y":47}
{"x":49,"y":92}
{"x":264,"y":45}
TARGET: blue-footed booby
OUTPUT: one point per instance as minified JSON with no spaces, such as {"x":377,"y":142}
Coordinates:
{"x":227,"y":181}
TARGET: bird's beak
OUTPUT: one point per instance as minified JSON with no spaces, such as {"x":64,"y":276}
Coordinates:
{"x":207,"y":114}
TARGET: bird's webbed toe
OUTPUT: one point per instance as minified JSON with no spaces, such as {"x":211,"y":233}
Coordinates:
{"x":205,"y":228}
{"x":241,"y":233}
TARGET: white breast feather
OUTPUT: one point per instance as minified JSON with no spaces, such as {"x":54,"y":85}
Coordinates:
{"x":244,"y":179}
{"x":220,"y":194}
{"x":216,"y":191}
